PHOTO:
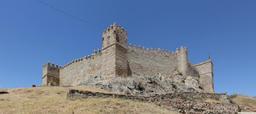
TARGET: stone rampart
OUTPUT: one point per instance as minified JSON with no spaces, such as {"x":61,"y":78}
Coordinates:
{"x":146,"y":61}
{"x":102,"y":63}
{"x":80,"y":70}
{"x":140,"y":62}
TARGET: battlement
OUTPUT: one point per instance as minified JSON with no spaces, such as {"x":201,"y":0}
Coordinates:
{"x":182,"y":50}
{"x":114,"y":34}
{"x":114,"y":27}
{"x":156,"y":50}
{"x":178,"y":51}
{"x":96,"y":53}
{"x":74,"y":61}
{"x":52,"y":65}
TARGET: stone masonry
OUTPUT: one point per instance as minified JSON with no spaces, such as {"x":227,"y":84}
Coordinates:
{"x":117,"y":60}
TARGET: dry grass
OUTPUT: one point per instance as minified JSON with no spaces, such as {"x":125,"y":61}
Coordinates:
{"x":245,"y":101}
{"x":52,"y":100}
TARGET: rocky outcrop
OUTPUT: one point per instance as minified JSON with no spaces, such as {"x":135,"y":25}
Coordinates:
{"x":146,"y":85}
{"x":186,"y":103}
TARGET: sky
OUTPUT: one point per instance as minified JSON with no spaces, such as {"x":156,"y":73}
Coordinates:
{"x":34,"y":32}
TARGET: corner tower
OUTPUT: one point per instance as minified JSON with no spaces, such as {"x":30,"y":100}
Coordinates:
{"x":114,"y":46}
{"x":114,"y":34}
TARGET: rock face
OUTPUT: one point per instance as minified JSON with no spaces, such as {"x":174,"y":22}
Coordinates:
{"x":146,"y":85}
{"x":186,"y":103}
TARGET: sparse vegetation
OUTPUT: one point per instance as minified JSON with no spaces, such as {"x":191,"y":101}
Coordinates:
{"x":246,"y":103}
{"x":52,"y":100}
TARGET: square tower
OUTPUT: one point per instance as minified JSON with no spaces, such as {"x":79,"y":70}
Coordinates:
{"x":114,"y":34}
{"x":51,"y":75}
{"x":114,"y":46}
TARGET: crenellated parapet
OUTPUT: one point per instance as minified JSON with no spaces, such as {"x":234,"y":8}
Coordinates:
{"x":53,"y":65}
{"x":158,"y":51}
{"x":96,"y":53}
{"x":114,"y":27}
{"x":74,"y":61}
{"x":114,"y":34}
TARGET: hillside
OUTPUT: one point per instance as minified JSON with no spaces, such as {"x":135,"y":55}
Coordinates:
{"x":247,"y":104}
{"x":52,"y":100}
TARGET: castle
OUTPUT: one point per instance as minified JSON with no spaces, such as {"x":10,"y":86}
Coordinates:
{"x":118,"y":59}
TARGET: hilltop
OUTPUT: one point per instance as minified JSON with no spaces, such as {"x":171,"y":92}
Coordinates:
{"x":246,"y":103}
{"x":52,"y":100}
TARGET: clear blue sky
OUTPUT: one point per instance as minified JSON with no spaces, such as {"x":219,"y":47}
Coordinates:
{"x":33,"y":33}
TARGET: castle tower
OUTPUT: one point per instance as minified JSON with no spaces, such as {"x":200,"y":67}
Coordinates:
{"x":51,"y":75}
{"x":114,"y":44}
{"x":205,"y":70}
{"x":182,"y":56}
{"x":114,"y":34}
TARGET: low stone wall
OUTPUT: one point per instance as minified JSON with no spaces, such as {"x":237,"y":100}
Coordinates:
{"x":186,"y":103}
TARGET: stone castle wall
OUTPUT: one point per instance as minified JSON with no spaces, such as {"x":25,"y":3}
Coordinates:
{"x":106,"y":63}
{"x":81,"y":69}
{"x":118,"y":59}
{"x":151,"y":61}
{"x":140,"y":62}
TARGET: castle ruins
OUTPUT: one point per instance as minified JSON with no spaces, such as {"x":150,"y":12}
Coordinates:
{"x":118,"y":59}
